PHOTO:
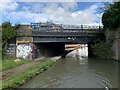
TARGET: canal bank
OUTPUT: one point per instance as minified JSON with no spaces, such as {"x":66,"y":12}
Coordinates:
{"x":18,"y":79}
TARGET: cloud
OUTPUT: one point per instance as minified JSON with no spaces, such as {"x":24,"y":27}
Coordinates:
{"x":37,"y":7}
{"x":69,"y":5}
{"x":8,"y":6}
{"x":62,"y":12}
{"x":86,"y":16}
{"x":25,"y":17}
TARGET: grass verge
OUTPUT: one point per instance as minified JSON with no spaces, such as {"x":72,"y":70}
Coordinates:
{"x":8,"y":63}
{"x":19,"y":79}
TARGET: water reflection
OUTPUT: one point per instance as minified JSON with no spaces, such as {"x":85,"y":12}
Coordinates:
{"x":81,"y":55}
{"x":80,"y":52}
{"x":78,"y":72}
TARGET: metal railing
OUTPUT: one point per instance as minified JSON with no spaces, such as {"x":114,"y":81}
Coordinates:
{"x":81,"y":27}
{"x":50,"y":26}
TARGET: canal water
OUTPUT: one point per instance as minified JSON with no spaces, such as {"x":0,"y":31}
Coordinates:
{"x":78,"y":71}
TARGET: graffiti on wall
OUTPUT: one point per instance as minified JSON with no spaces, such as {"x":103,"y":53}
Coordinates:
{"x":11,"y":49}
{"x":25,"y":51}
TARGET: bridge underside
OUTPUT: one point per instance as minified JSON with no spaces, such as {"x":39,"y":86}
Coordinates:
{"x":53,"y":43}
{"x":80,"y":40}
{"x":50,"y":49}
{"x":55,"y":49}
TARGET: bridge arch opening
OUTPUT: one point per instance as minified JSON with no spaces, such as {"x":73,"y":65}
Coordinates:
{"x":79,"y":50}
{"x":51,"y":49}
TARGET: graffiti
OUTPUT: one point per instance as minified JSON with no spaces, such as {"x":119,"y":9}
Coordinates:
{"x":25,"y":51}
{"x":11,"y":49}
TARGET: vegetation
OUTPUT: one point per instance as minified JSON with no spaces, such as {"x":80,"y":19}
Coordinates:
{"x":111,"y":16}
{"x":8,"y":33}
{"x":8,"y":63}
{"x":102,"y":50}
{"x":21,"y":78}
{"x":0,"y":47}
{"x":111,"y":21}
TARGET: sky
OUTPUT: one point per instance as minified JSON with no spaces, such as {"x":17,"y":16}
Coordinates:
{"x":72,"y":13}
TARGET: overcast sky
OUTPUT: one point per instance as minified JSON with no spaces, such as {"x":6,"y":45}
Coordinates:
{"x":57,"y":12}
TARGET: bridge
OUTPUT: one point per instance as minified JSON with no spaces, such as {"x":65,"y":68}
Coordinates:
{"x":64,"y":33}
{"x":49,"y":39}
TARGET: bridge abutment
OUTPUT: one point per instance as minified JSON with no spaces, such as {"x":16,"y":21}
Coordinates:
{"x":90,"y":50}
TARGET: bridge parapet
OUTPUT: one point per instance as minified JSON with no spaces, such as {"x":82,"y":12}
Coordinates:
{"x":50,"y":32}
{"x":66,"y":32}
{"x":49,"y":26}
{"x":81,"y":27}
{"x":72,"y":30}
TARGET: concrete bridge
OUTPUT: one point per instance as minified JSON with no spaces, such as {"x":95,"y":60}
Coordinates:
{"x":64,"y":33}
{"x":67,"y":36}
{"x":49,"y":39}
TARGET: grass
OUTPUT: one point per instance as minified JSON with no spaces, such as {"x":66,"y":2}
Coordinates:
{"x":8,"y":63}
{"x":19,"y":79}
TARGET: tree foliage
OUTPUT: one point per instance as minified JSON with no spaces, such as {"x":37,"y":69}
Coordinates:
{"x":111,"y":16}
{"x":8,"y":33}
{"x":102,"y":50}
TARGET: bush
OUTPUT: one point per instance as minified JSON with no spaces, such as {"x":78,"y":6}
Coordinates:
{"x":102,"y":50}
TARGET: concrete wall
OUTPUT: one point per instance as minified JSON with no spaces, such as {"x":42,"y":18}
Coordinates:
{"x":24,"y":30}
{"x":11,"y":49}
{"x":24,"y":40}
{"x":90,"y":49}
{"x":115,"y":45}
{"x":24,"y":47}
{"x":25,"y":51}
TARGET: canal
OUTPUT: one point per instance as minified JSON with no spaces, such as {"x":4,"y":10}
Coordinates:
{"x":78,"y":71}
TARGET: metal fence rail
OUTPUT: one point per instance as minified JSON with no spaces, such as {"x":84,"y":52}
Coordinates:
{"x":49,"y":26}
{"x":81,"y":27}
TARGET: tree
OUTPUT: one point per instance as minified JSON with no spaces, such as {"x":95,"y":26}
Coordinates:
{"x":8,"y":33}
{"x":111,"y":16}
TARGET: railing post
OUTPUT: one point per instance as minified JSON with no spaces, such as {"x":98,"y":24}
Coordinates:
{"x":99,"y":27}
{"x":81,"y":26}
